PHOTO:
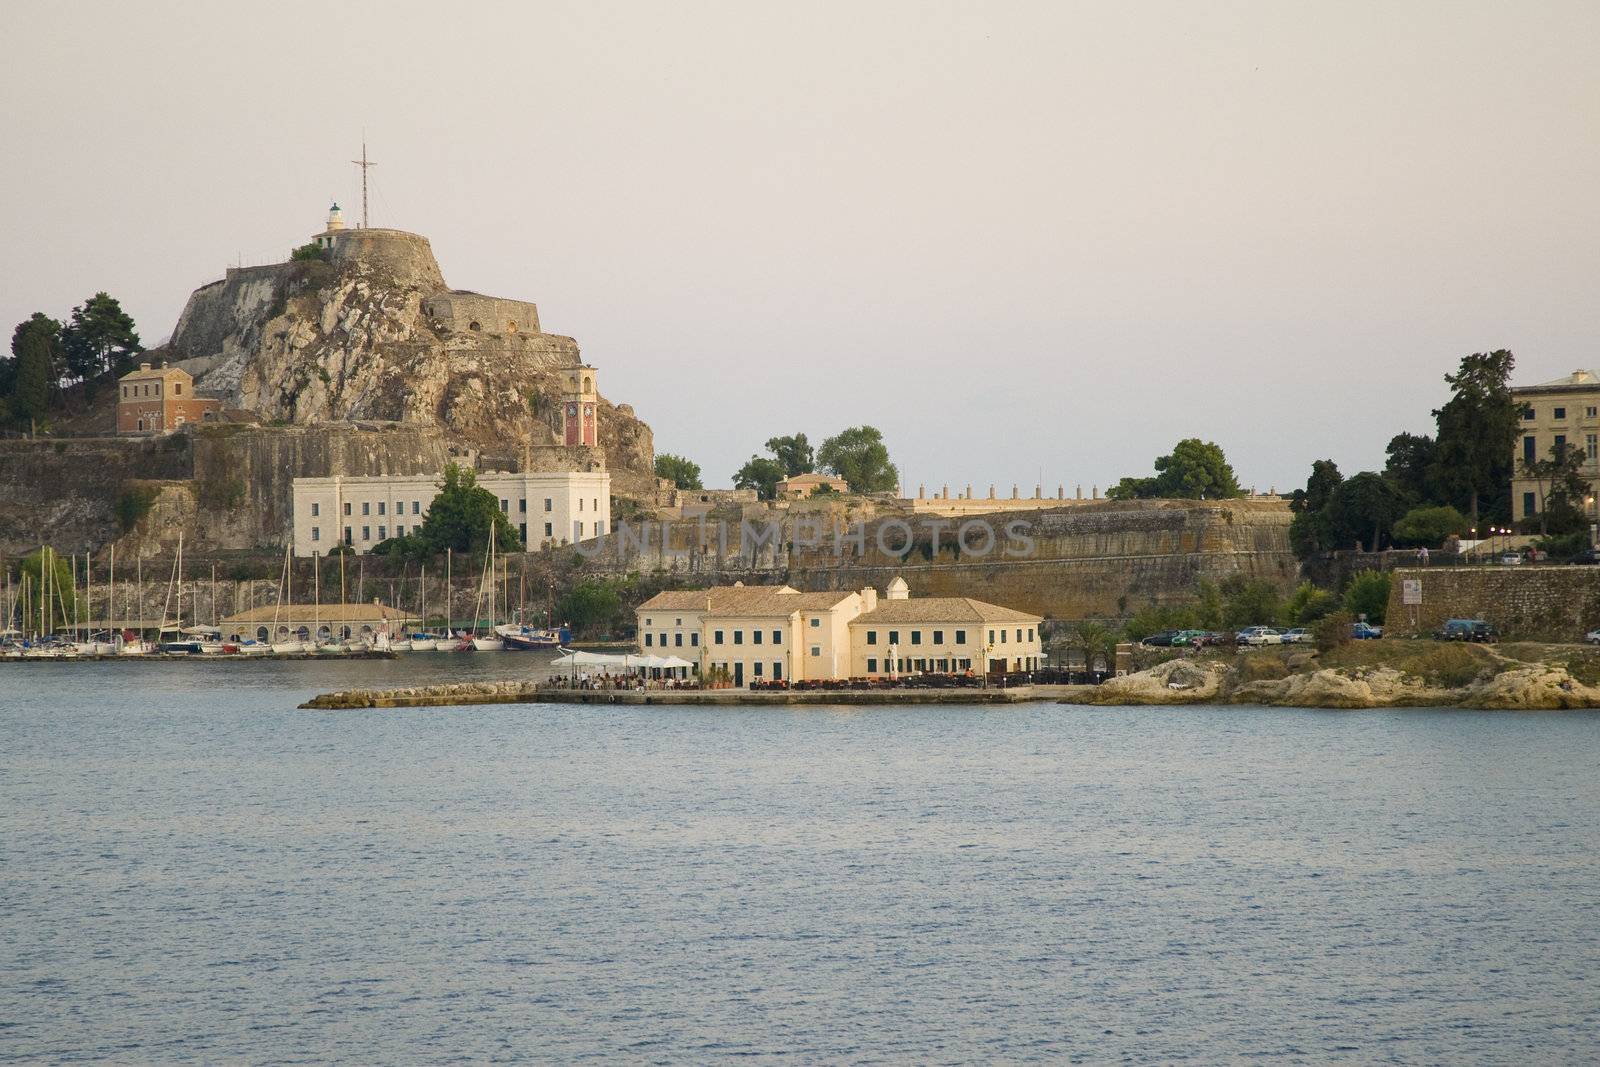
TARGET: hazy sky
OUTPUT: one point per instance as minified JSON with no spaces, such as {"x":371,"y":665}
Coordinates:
{"x":1014,"y":236}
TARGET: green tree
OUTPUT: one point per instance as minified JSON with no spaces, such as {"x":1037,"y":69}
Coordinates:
{"x":592,"y":606}
{"x":1249,"y":602}
{"x":1477,"y":428}
{"x":859,"y":456}
{"x":1429,"y":525}
{"x":681,"y":472}
{"x":761,"y":474}
{"x":1309,"y":531}
{"x":1332,"y":630}
{"x":308,"y":253}
{"x":99,"y":337}
{"x":1365,"y":503}
{"x":1308,"y":603}
{"x":36,"y":344}
{"x":1132,"y":489}
{"x":794,"y":453}
{"x":1562,"y":489}
{"x":1093,"y":641}
{"x":462,"y":517}
{"x":1412,"y":458}
{"x":62,"y":600}
{"x":1368,"y":594}
{"x":1193,"y":470}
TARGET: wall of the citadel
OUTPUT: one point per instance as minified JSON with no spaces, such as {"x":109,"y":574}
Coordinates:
{"x":64,"y":492}
{"x":219,"y":310}
{"x":462,"y":312}
{"x":408,"y":257}
{"x":1529,"y":603}
{"x":1090,"y":561}
{"x":224,"y":487}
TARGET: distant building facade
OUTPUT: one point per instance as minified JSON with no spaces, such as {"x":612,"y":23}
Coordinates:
{"x":777,"y":633}
{"x":803,"y":485}
{"x":277,"y":622}
{"x":942,"y":635}
{"x":546,"y":508}
{"x":1559,"y":414}
{"x":160,"y":400}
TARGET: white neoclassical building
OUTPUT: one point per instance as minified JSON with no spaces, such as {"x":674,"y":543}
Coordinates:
{"x":547,"y":508}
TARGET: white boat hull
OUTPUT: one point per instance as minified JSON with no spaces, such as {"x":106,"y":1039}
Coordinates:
{"x":488,"y":644}
{"x":285,"y":648}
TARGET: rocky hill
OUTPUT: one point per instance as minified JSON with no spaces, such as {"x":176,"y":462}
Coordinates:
{"x":371,"y":332}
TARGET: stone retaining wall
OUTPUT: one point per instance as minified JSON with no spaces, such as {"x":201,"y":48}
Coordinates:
{"x":1546,"y":603}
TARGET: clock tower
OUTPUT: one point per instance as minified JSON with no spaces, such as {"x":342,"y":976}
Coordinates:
{"x":579,"y":407}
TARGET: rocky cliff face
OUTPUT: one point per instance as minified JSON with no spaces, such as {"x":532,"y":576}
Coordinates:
{"x":373,"y":333}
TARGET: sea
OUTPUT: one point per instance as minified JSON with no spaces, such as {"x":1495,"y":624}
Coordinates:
{"x":193,"y":870}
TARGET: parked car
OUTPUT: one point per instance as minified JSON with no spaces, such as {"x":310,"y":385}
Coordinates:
{"x":1593,"y":637}
{"x":1297,"y":636}
{"x":1215,"y":639}
{"x":1361,"y":631}
{"x":1466,"y":630}
{"x":1258,"y":635}
{"x":1511,"y":559}
{"x":1588,"y":557}
{"x":1187,"y":638}
{"x":1160,"y":640}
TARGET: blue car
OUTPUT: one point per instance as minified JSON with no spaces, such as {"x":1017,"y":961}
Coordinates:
{"x":1362,"y":632}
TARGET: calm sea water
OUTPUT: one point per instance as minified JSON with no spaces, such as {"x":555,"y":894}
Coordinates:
{"x":193,"y":870}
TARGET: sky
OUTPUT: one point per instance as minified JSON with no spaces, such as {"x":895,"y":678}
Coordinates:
{"x":1027,"y":241}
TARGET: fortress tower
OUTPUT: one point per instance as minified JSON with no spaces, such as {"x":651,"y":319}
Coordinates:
{"x":579,"y":402}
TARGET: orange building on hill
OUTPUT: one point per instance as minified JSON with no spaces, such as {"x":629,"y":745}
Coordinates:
{"x":161,"y":400}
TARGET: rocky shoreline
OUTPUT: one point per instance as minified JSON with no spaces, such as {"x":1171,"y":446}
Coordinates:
{"x":1515,"y":686}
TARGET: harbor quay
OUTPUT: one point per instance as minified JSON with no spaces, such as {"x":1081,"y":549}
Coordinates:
{"x":470,"y":693}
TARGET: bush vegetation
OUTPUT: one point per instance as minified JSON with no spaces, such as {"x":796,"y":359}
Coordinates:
{"x":134,"y":504}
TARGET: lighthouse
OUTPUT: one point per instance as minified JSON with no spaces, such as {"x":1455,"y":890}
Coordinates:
{"x":335,"y":225}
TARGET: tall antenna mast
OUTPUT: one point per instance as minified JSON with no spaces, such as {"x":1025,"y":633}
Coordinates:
{"x":363,"y":164}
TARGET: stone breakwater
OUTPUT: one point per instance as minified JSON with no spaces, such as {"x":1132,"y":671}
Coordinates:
{"x":514,"y":692}
{"x":1518,"y":687}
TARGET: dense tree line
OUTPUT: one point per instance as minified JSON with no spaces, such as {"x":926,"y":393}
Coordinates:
{"x":98,"y":341}
{"x":1433,"y":487}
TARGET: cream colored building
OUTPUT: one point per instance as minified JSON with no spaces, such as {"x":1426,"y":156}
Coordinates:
{"x":803,"y":485}
{"x":1560,"y":413}
{"x":546,"y":508}
{"x":942,"y":635}
{"x":777,"y":633}
{"x":278,"y":622}
{"x":757,"y":633}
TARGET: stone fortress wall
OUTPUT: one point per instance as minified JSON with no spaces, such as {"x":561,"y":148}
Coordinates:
{"x":1545,"y":603}
{"x":460,"y":311}
{"x":1101,"y":560}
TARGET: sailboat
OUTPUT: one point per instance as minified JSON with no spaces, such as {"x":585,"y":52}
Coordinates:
{"x":290,"y":644}
{"x":491,"y":642}
{"x":422,"y":640}
{"x":133,"y":643}
{"x":171,"y":640}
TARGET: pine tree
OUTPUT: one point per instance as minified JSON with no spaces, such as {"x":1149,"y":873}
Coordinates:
{"x":36,"y":346}
{"x":100,"y":337}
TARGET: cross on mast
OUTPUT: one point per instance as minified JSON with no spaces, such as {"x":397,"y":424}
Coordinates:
{"x":363,"y":164}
